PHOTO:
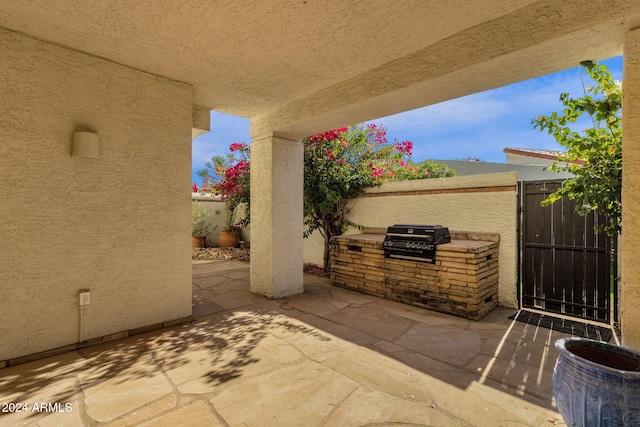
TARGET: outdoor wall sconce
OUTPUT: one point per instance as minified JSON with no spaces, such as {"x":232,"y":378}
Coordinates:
{"x":85,"y":144}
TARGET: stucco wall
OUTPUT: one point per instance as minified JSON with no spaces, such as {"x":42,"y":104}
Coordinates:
{"x":216,"y":221}
{"x":118,"y":225}
{"x":525,"y":172}
{"x":482,"y":203}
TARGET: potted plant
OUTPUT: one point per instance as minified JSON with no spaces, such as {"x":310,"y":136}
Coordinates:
{"x":230,"y":234}
{"x":199,"y":226}
{"x":229,"y":177}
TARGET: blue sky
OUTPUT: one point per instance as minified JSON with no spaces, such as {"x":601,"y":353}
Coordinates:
{"x":479,"y":125}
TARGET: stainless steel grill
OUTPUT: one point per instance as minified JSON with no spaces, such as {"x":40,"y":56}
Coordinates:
{"x":414,"y":242}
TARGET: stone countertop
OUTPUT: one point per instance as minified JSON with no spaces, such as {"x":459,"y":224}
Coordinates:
{"x":457,"y":245}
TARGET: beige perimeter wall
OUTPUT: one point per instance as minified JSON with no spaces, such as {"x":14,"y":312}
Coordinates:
{"x":217,"y":218}
{"x":118,"y":225}
{"x":481,"y":203}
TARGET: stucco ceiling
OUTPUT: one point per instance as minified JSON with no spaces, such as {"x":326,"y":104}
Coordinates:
{"x":296,"y":65}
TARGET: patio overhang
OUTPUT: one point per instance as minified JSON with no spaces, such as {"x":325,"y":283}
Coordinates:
{"x":201,"y":121}
{"x":538,"y":39}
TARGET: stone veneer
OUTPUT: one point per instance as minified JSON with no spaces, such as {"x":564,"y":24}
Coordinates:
{"x":463,"y":281}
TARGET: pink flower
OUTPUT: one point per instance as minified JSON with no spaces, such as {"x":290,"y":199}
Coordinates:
{"x":237,"y":146}
{"x":376,"y":172}
{"x":328,"y":136}
{"x":405,"y":147}
{"x":329,"y":153}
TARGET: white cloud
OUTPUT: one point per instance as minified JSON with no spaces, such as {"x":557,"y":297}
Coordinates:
{"x":225,"y":129}
{"x":479,"y":125}
{"x":483,"y":124}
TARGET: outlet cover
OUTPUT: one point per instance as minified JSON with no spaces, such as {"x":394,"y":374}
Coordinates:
{"x":85,"y":297}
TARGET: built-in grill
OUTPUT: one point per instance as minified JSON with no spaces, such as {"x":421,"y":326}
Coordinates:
{"x":414,"y":242}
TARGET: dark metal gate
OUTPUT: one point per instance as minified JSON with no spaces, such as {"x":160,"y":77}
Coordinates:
{"x":566,"y":267}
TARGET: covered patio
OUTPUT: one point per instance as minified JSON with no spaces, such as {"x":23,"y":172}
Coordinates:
{"x":327,"y":357}
{"x":95,"y":244}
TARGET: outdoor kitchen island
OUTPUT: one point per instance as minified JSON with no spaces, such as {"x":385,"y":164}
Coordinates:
{"x":462,"y":281}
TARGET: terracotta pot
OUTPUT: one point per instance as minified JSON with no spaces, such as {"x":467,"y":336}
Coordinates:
{"x":197,"y":241}
{"x":228,"y":239}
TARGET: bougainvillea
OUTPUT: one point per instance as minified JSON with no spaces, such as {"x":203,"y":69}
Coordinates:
{"x":339,"y":165}
{"x":229,"y":177}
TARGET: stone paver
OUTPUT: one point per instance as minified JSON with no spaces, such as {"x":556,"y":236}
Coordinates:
{"x":373,"y":407}
{"x":298,"y":395}
{"x":192,"y":414}
{"x":119,"y":380}
{"x":446,"y":343}
{"x":328,"y":357}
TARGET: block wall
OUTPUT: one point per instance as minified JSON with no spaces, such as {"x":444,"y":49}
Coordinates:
{"x":480,"y":203}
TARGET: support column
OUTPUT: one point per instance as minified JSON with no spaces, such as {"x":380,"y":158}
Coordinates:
{"x":629,"y":266}
{"x":277,"y":166}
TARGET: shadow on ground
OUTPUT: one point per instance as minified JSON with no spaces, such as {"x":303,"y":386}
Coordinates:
{"x":510,"y":356}
{"x":328,"y":356}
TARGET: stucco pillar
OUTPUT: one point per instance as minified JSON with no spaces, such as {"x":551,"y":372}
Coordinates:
{"x":276,"y":216}
{"x":630,"y":265}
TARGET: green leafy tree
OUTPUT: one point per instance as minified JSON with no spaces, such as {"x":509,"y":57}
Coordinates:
{"x":594,"y":155}
{"x":339,"y":165}
{"x":437,"y":170}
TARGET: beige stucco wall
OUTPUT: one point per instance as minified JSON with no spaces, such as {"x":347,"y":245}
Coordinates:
{"x":118,"y":225}
{"x":451,"y":202}
{"x":218,"y":218}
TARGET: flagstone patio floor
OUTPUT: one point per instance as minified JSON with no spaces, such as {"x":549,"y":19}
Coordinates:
{"x":326,"y":357}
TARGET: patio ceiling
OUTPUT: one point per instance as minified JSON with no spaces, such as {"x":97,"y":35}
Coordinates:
{"x":298,"y":66}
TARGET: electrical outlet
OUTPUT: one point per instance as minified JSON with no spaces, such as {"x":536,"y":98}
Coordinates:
{"x":85,"y":297}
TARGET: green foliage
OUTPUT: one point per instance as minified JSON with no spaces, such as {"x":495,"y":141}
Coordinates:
{"x":598,"y":182}
{"x":229,"y":177}
{"x":339,"y":165}
{"x":199,"y":217}
{"x":436,"y":170}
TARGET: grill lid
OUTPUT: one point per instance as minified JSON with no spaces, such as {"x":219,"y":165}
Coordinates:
{"x":434,"y":234}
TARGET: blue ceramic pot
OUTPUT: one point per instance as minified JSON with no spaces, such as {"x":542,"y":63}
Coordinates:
{"x":597,"y":384}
